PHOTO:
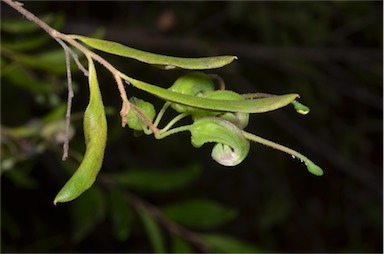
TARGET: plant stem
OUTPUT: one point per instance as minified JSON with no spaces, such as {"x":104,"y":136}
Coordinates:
{"x":312,"y":167}
{"x":69,"y":106}
{"x":174,"y":121}
{"x":161,"y":113}
{"x":172,"y":131}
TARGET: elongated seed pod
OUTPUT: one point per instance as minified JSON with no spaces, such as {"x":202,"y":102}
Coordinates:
{"x":167,"y":62}
{"x":231,"y":146}
{"x":195,"y":84}
{"x":95,"y":134}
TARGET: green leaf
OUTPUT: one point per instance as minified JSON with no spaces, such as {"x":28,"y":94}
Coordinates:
{"x":55,"y":114}
{"x":28,"y":43}
{"x":199,"y":213}
{"x":51,"y":61}
{"x":19,"y":77}
{"x":259,"y":105}
{"x":226,"y":244}
{"x":179,"y":245}
{"x":24,"y":25}
{"x":153,"y":230}
{"x":121,"y":215}
{"x":168,"y":62}
{"x":86,"y":212}
{"x":148,"y":180}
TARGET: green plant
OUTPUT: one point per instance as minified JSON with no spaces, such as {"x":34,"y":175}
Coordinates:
{"x":214,"y":119}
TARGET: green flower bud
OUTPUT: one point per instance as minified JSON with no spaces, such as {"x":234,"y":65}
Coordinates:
{"x":195,"y":84}
{"x":134,"y":120}
{"x":231,"y":146}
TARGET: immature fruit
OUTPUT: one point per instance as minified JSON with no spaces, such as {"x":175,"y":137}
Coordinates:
{"x":95,"y":133}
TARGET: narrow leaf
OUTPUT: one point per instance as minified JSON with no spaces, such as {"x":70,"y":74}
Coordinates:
{"x":86,"y":212}
{"x":168,"y":62}
{"x":121,"y":215}
{"x":28,"y":44}
{"x":20,"y":77}
{"x":259,"y":105}
{"x":198,"y":213}
{"x":179,"y":245}
{"x":148,"y":180}
{"x":51,"y":61}
{"x":153,"y":230}
{"x":24,"y":25}
{"x":227,"y":244}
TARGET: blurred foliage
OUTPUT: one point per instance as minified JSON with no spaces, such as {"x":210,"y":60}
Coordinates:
{"x":328,"y":52}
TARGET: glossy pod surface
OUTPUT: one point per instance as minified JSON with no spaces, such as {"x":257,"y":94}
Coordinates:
{"x":95,"y":134}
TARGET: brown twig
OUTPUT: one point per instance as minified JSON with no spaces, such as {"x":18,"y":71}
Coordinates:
{"x":69,"y":106}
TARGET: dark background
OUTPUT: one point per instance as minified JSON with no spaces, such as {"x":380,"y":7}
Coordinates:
{"x":328,"y":52}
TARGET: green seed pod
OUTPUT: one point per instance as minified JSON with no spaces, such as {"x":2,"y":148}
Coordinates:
{"x":237,"y":118}
{"x":95,"y":134}
{"x":134,"y":120}
{"x":195,"y":84}
{"x":231,"y":148}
